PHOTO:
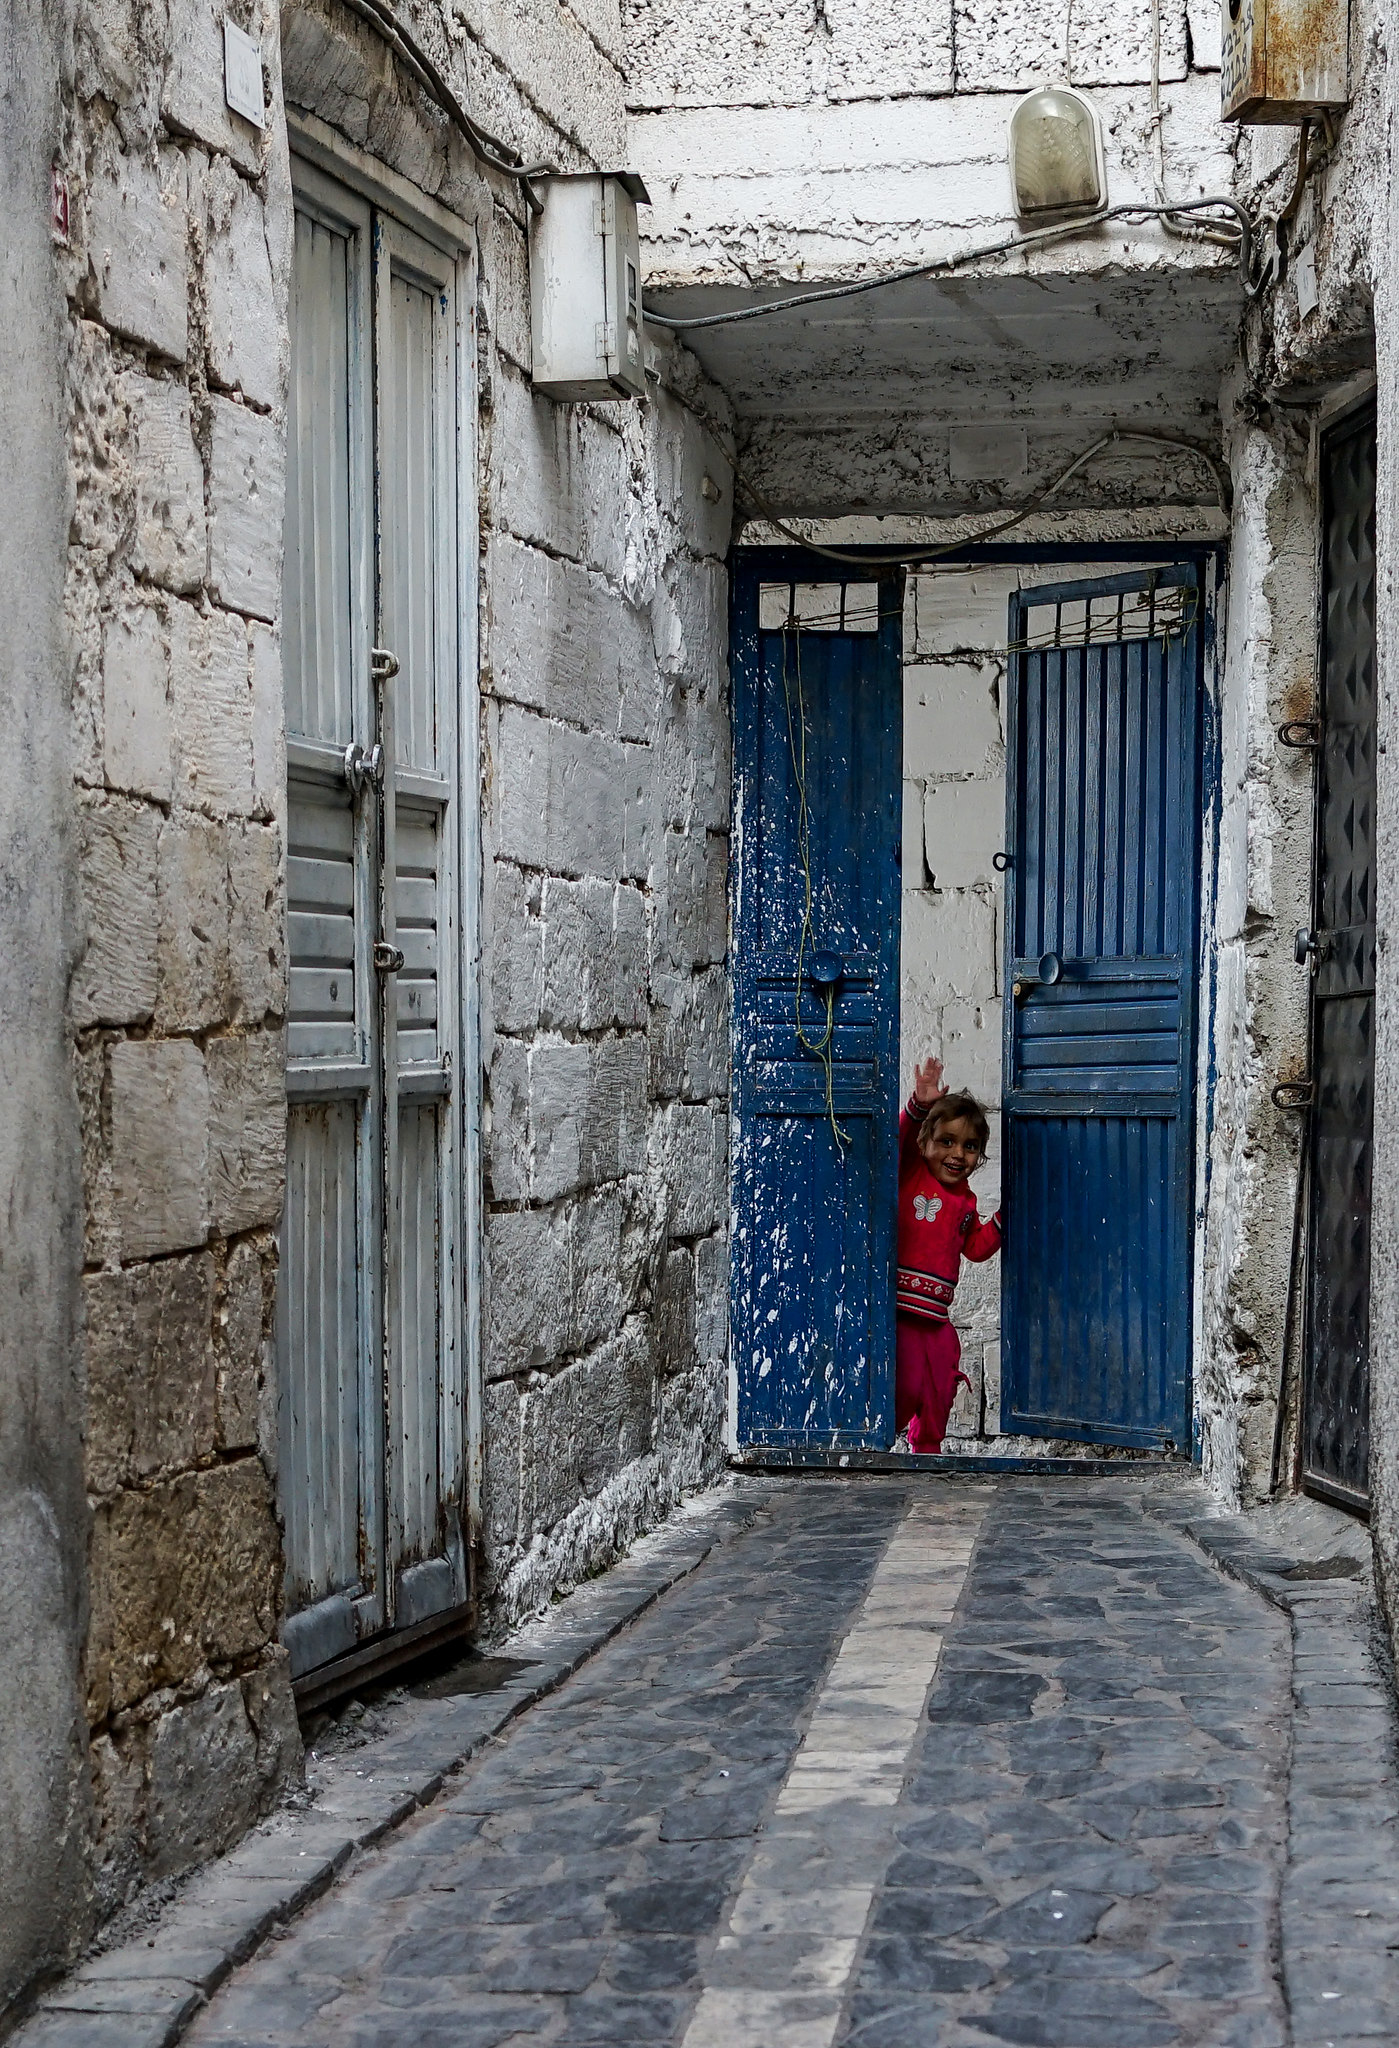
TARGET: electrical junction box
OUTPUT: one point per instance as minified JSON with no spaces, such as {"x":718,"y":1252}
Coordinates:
{"x":1284,"y":59}
{"x":585,"y":287}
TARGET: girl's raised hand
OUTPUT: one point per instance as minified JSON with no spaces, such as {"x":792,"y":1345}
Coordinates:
{"x":928,"y":1084}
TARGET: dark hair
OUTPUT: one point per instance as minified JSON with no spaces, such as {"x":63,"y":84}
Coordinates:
{"x":958,"y":1108}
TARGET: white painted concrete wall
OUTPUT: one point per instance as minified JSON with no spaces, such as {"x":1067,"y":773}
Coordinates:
{"x":954,"y":820}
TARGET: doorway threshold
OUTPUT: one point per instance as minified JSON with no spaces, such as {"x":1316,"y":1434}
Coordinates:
{"x":784,"y":1458}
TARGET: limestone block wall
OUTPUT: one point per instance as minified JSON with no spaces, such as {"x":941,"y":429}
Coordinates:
{"x":605,"y":1331}
{"x":43,"y":1508}
{"x":604,"y":808}
{"x":173,"y":576}
{"x":815,"y":140}
{"x":602,"y":639}
{"x":1313,"y":340}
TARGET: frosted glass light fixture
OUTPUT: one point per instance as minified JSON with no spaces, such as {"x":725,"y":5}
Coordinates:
{"x":1056,"y":155}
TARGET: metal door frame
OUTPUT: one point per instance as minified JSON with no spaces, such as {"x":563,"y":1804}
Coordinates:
{"x":1211,"y":559}
{"x":329,"y":171}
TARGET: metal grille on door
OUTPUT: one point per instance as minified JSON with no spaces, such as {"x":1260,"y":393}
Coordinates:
{"x":1336,"y":1405}
{"x":369,"y":1324}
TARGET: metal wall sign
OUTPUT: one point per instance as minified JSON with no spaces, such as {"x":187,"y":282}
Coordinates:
{"x":1103,"y":810}
{"x":370,"y":1312}
{"x":1341,"y":951}
{"x":818,"y":761}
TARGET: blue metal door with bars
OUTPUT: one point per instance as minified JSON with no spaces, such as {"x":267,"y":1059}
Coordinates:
{"x":818,"y":735}
{"x":1103,"y":813}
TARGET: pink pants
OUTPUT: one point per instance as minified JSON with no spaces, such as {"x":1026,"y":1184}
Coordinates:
{"x":928,"y":1357}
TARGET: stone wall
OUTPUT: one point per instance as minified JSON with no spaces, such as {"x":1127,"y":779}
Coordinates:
{"x":43,"y":1791}
{"x":1299,"y":358}
{"x":175,"y":390}
{"x":154,"y":832}
{"x":605,"y":810}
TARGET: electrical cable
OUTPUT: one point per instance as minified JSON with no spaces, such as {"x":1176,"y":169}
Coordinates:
{"x":912,"y":556}
{"x":1135,"y":209}
{"x":488,"y":148}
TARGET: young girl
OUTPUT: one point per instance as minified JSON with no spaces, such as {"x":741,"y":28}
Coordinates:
{"x":942,"y":1141}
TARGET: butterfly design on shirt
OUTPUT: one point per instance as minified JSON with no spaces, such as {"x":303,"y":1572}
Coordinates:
{"x":926,"y":1207}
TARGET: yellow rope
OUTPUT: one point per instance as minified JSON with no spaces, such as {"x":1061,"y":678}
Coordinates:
{"x":820,"y":1047}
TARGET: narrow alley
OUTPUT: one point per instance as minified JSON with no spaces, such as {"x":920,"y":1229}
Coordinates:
{"x":699,"y":1023}
{"x":1150,"y":1801}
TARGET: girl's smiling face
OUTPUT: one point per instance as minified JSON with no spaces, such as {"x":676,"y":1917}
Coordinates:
{"x":952,"y":1150}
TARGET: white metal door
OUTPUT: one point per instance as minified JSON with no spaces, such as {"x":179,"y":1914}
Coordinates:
{"x":370,"y":1302}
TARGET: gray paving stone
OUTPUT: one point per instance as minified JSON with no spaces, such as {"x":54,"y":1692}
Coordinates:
{"x":1151,"y":1766}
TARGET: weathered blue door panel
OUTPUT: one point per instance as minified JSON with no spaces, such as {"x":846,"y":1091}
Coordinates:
{"x":817,"y":704}
{"x":1101,"y":945}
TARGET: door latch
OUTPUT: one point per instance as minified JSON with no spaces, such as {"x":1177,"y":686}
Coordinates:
{"x":1294,"y":1094}
{"x":387,"y":959}
{"x":1302,"y":733}
{"x":383,"y":664}
{"x":362,"y":767}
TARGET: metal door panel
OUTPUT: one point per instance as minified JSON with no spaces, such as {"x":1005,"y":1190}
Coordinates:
{"x":416,"y":301}
{"x":418,"y":1348}
{"x":326,"y":484}
{"x":1336,"y":1404}
{"x":331,"y":1455}
{"x":322,"y":1339}
{"x":369,"y":1314}
{"x":812,"y":1261}
{"x":1099,"y":1022}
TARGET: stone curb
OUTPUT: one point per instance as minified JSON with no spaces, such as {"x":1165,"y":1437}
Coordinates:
{"x":1340,"y":1902}
{"x":144,"y":1992}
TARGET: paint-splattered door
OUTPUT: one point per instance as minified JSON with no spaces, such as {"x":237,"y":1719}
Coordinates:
{"x":818,"y":731}
{"x":1103,"y":830}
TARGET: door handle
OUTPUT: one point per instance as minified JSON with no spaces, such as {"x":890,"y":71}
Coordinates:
{"x":387,"y":959}
{"x":1310,"y":946}
{"x":363,"y":768}
{"x":1294,"y":1094}
{"x":1051,"y":970}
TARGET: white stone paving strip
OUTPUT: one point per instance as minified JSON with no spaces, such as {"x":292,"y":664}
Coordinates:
{"x":778,"y":1976}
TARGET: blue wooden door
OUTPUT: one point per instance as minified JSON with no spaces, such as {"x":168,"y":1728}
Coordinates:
{"x":818,"y":738}
{"x":1103,"y":809}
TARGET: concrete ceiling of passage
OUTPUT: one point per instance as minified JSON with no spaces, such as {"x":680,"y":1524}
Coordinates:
{"x":852,"y":402}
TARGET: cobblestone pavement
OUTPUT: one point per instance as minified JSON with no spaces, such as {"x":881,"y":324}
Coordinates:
{"x":739,"y":1824}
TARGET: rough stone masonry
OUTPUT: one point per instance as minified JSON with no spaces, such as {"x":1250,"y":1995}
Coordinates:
{"x":151,"y":1697}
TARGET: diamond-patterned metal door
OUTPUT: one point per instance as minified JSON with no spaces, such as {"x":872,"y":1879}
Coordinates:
{"x":1336,"y":1401}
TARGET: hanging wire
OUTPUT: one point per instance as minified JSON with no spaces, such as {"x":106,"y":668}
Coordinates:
{"x":1219,"y":213}
{"x":488,"y":148}
{"x":912,"y":557}
{"x":796,"y":741}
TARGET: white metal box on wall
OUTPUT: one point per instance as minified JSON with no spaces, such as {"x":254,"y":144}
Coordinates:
{"x":585,"y":287}
{"x":1284,"y":59}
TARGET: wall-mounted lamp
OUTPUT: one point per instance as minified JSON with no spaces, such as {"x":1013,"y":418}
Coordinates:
{"x":1056,"y":155}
